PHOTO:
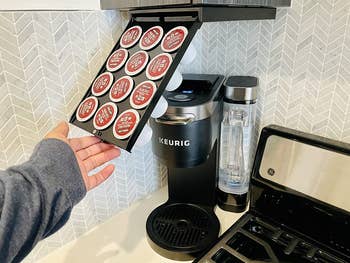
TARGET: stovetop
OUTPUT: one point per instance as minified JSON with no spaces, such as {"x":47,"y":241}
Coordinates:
{"x":254,"y":239}
{"x":299,"y":210}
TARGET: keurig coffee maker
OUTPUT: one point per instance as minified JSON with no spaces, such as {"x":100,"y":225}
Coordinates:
{"x":186,"y":140}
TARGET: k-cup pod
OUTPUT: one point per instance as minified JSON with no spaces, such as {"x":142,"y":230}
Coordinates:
{"x":175,"y":81}
{"x":105,"y":116}
{"x":143,"y":94}
{"x":102,"y":84}
{"x":145,"y":136}
{"x":136,"y":63}
{"x":131,"y":37}
{"x":117,"y":60}
{"x":87,"y":109}
{"x":189,"y":56}
{"x":121,"y":89}
{"x":151,"y":38}
{"x":126,"y":124}
{"x":160,"y":108}
{"x":159,"y":66}
{"x":174,"y":39}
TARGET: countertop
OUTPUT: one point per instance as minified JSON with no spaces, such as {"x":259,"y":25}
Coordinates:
{"x":123,"y":237}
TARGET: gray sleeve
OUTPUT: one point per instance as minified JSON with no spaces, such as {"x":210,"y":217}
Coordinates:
{"x":36,"y":198}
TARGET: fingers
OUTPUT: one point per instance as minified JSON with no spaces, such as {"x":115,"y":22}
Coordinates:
{"x":99,"y":159}
{"x":61,"y":130}
{"x":100,"y":177}
{"x":83,"y":142}
{"x":94,"y":149}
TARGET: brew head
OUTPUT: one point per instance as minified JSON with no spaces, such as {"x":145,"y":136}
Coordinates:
{"x":185,"y":135}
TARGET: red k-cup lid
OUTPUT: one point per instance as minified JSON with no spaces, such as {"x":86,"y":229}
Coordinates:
{"x":136,"y":63}
{"x":117,"y":60}
{"x":142,"y":94}
{"x":158,"y":66}
{"x":130,"y":37}
{"x":105,"y":116}
{"x":102,"y":84}
{"x":87,"y":109}
{"x":121,"y":89}
{"x":126,"y":124}
{"x":174,"y":39}
{"x":151,"y":38}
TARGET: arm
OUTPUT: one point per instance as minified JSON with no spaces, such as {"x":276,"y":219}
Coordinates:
{"x":36,"y":198}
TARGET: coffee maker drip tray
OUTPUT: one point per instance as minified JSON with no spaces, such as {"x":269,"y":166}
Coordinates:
{"x":181,"y":231}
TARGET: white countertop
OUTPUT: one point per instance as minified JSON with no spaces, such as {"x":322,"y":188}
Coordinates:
{"x":123,"y":237}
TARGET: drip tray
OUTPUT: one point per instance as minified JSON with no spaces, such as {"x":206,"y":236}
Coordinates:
{"x":181,"y":231}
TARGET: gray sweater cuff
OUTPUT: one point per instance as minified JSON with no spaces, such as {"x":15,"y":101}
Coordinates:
{"x":58,"y":164}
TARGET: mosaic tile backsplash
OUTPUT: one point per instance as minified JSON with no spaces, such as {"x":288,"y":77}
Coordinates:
{"x":47,"y":60}
{"x":302,"y":60}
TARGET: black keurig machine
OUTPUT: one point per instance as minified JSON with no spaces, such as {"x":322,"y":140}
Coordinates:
{"x":186,"y":140}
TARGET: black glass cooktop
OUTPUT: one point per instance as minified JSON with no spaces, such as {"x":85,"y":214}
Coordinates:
{"x":286,"y":224}
{"x":255,"y":240}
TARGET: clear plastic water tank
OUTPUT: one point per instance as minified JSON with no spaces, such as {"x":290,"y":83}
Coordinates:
{"x":236,"y":147}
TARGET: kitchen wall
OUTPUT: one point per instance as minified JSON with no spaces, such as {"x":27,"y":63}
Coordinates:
{"x":302,"y":60}
{"x":48,"y":59}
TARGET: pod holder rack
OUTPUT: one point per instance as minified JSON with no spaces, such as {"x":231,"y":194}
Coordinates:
{"x":167,"y":22}
{"x":189,"y":17}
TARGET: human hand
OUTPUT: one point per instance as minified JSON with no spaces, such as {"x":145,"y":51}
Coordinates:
{"x":90,"y":153}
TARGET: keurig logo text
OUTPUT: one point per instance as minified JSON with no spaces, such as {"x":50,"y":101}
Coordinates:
{"x":178,"y":143}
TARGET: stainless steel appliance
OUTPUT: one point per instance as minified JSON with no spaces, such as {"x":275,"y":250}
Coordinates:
{"x":299,"y":206}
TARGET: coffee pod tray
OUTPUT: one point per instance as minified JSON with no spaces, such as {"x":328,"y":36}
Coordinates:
{"x":121,"y":98}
